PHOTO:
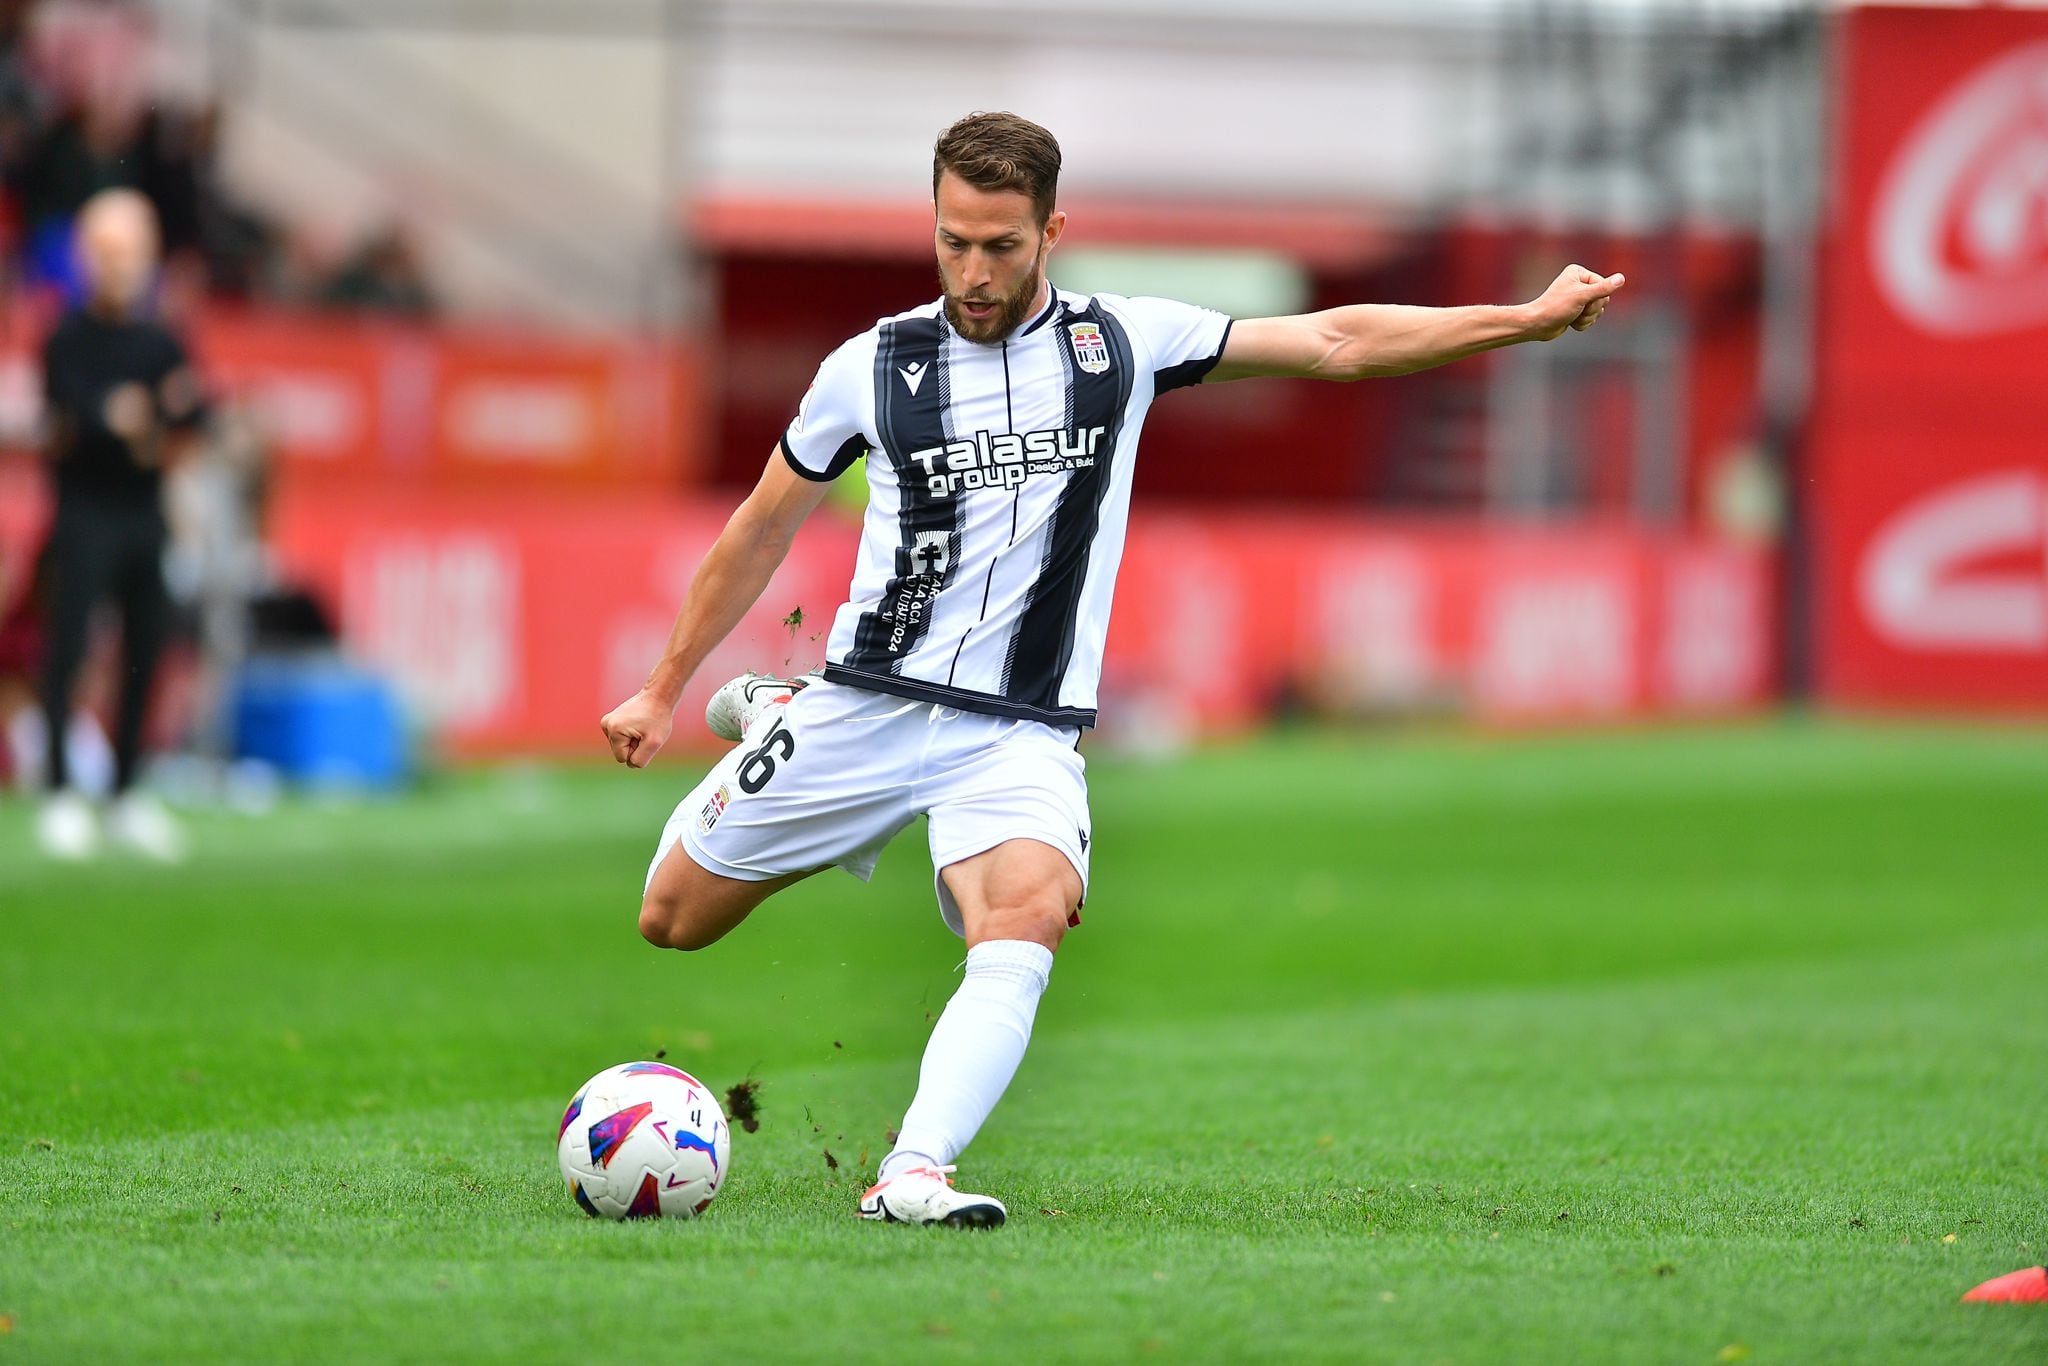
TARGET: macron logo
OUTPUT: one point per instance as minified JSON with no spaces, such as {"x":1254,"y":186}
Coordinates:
{"x":913,"y":375}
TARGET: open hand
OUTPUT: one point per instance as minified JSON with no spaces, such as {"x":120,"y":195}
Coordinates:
{"x":1575,"y":299}
{"x":637,"y":728}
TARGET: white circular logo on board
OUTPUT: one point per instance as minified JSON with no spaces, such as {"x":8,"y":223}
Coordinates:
{"x":1962,"y":567}
{"x":1959,"y":236}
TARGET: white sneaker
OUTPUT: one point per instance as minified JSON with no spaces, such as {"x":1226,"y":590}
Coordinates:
{"x":140,"y":822}
{"x":734,"y":708}
{"x":925,"y":1195}
{"x":68,"y":828}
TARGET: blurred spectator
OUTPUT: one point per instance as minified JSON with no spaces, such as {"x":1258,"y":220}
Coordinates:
{"x":232,"y":248}
{"x":21,"y":108}
{"x":121,"y":398}
{"x":175,"y":151}
{"x":76,"y":117}
{"x":384,"y":276}
{"x":92,"y":148}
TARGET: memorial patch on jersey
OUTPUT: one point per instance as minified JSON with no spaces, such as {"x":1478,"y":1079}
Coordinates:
{"x":910,"y":415}
{"x":1091,"y":352}
{"x":933,"y":552}
{"x":931,"y":555}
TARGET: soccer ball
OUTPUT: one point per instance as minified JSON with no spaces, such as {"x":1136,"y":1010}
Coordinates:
{"x":643,"y":1140}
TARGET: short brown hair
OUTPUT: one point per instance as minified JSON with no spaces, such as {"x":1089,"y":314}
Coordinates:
{"x":1001,"y":152}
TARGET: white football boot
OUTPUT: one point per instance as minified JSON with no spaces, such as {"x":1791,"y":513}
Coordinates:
{"x":925,"y":1195}
{"x":735,"y":707}
{"x":140,"y":822}
{"x":68,"y":828}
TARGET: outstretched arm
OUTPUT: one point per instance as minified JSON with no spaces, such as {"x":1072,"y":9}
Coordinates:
{"x":1361,"y":341}
{"x":729,"y":581}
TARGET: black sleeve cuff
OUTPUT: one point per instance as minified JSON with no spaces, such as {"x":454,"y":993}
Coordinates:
{"x":805,"y":471}
{"x":850,"y":450}
{"x":1191,"y":372}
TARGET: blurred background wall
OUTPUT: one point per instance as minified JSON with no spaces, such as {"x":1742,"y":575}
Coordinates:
{"x":509,"y":301}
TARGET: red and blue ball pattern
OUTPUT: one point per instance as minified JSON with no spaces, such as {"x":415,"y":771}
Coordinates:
{"x":608,"y":1133}
{"x":643,"y":1140}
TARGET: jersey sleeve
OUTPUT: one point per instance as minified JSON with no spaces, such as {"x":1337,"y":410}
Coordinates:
{"x":829,"y":431}
{"x":1185,"y":340}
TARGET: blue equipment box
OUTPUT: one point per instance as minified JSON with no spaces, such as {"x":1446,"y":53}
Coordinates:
{"x":321,"y":722}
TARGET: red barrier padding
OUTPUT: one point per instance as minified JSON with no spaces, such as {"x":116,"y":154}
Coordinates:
{"x":514,"y":623}
{"x":361,"y":400}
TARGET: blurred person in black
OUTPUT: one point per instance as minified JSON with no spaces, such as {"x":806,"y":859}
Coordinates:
{"x":21,"y":96}
{"x":21,"y":645}
{"x":384,"y":276}
{"x":91,"y":148}
{"x":122,"y":400}
{"x":89,"y":757}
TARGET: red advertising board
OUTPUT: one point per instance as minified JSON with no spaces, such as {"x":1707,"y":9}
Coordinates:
{"x":513,"y":623}
{"x":1222,"y":615}
{"x":1929,"y":489}
{"x":457,"y":406}
{"x":350,"y":401}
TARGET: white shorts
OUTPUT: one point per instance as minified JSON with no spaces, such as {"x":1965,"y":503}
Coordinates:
{"x":842,"y":770}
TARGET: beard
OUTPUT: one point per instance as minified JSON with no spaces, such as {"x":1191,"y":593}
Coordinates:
{"x":1011,"y":308}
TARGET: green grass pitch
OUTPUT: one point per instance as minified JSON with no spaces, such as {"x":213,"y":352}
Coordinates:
{"x":1695,"y":1046}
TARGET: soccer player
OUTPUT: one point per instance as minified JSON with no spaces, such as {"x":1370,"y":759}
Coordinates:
{"x":999,"y":424}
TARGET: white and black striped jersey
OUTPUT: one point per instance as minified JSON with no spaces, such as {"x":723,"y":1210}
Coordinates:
{"x":999,"y":480}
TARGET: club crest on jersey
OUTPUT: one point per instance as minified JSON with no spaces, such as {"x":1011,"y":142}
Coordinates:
{"x":1091,"y":352}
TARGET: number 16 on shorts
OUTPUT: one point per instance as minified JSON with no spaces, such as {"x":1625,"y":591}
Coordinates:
{"x":754,"y":772}
{"x":759,"y":766}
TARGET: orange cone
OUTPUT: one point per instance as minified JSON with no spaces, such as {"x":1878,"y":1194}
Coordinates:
{"x":2015,"y":1287}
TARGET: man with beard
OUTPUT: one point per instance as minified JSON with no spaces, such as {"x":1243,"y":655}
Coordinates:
{"x":998,"y":424}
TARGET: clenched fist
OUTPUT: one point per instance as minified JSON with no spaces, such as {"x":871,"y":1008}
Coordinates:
{"x":129,"y":412}
{"x":1575,"y":299}
{"x":638,"y":727}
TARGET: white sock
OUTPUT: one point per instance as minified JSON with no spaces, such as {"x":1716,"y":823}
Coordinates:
{"x":975,"y":1049}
